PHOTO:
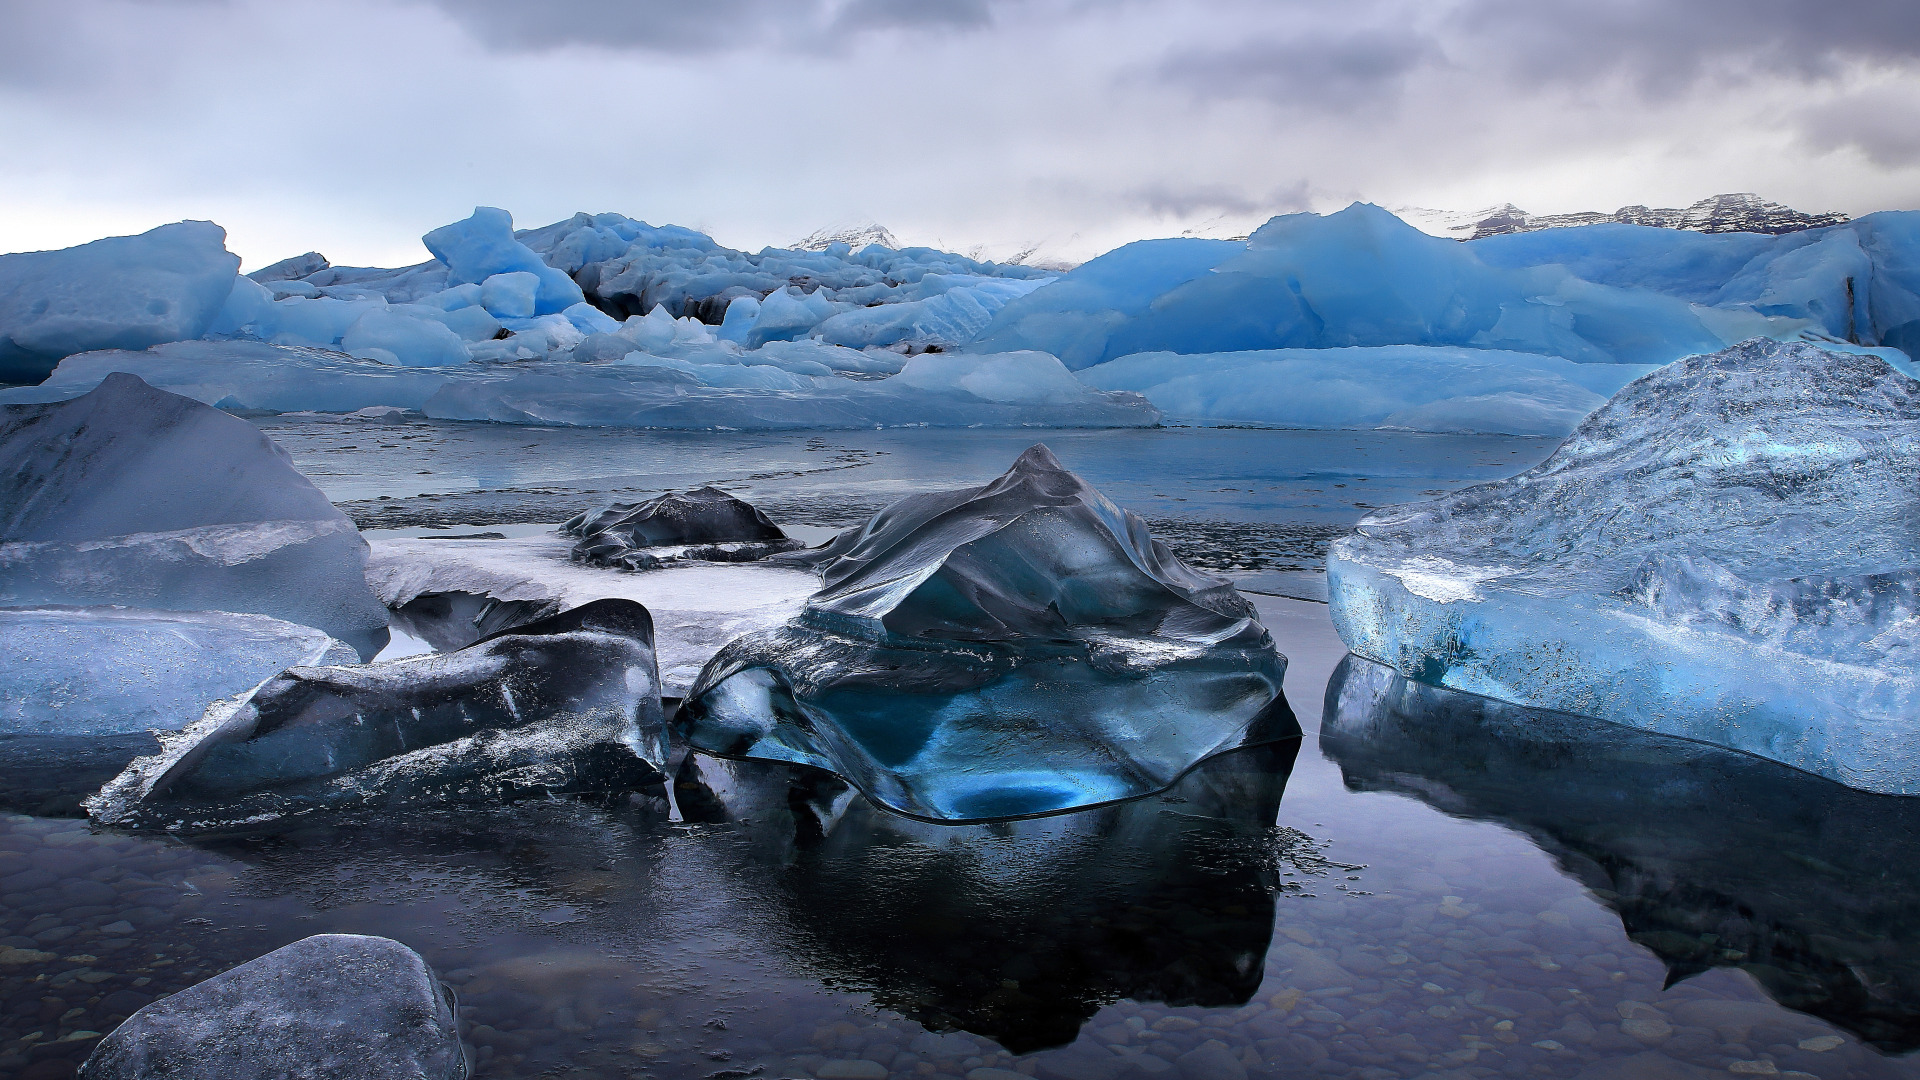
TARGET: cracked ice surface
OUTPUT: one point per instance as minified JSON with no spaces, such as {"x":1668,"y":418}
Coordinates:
{"x":1724,"y":552}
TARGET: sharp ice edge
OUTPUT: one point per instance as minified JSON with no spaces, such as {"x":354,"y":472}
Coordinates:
{"x":1019,"y":648}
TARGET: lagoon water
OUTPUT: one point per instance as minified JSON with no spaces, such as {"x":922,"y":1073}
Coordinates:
{"x":1427,"y":884}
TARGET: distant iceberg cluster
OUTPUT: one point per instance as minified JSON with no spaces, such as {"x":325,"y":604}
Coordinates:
{"x":1349,"y":320}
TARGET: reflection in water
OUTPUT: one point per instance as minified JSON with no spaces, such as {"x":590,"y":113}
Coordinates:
{"x":1019,"y":931}
{"x":1711,"y":858}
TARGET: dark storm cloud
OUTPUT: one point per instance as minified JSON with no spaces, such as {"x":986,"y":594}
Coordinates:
{"x":1335,"y":71}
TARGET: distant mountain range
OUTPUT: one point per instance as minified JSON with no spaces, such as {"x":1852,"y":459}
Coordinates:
{"x":1740,"y":212}
{"x":855,"y":237}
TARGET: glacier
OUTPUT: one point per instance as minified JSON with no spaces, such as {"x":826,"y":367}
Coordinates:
{"x":1350,"y":319}
{"x":1416,"y":387}
{"x":132,"y":495}
{"x":118,"y":670}
{"x":800,"y":385}
{"x":565,"y":704}
{"x":1362,"y":277}
{"x":1012,"y":650}
{"x":1723,"y":552}
{"x":123,"y":292}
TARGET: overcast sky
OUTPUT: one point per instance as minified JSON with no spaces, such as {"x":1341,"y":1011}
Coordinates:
{"x":1076,"y":125}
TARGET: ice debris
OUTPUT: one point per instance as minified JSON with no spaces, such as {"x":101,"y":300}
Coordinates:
{"x":451,"y":593}
{"x":702,"y":525}
{"x":132,"y":495}
{"x":327,"y":1007}
{"x":1723,"y":552}
{"x":124,"y":292}
{"x":568,"y":704}
{"x":1361,"y":277}
{"x":117,"y":670}
{"x":1015,"y":649}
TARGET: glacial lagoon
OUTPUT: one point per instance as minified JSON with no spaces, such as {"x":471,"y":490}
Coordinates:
{"x":1426,"y":884}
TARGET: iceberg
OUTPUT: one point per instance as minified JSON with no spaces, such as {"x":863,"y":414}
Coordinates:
{"x":124,"y":292}
{"x":1012,"y":650}
{"x":568,"y":704}
{"x":131,"y":495}
{"x":1711,"y":858}
{"x":327,"y":1007}
{"x":1416,"y":387}
{"x":1019,"y":931}
{"x":451,"y":593}
{"x":116,"y":670}
{"x":705,"y":524}
{"x":1723,"y":552}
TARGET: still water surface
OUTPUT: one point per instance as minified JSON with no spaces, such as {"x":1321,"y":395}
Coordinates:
{"x":1426,"y":885}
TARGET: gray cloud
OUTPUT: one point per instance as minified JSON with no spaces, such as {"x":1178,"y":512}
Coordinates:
{"x":1662,"y":45}
{"x":709,"y":26}
{"x":949,"y":14}
{"x":1204,"y":200}
{"x":1337,"y":71}
{"x":1883,"y":126}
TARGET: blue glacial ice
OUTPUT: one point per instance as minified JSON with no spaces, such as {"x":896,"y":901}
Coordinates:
{"x":1417,"y":387}
{"x":124,"y":292}
{"x":686,"y":384}
{"x":118,"y":670}
{"x":1016,"y":649}
{"x":131,"y":495}
{"x":1724,"y":552}
{"x":565,"y":704}
{"x":1362,"y":277}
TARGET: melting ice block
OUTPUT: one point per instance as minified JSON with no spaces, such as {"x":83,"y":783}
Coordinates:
{"x":115,"y":670}
{"x":705,"y":524}
{"x":326,"y":1007}
{"x":124,"y":292}
{"x":132,"y":495}
{"x":1724,"y":552}
{"x":566,"y":704}
{"x":1015,"y":649}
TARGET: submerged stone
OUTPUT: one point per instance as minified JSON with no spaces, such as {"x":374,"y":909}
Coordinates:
{"x":1725,"y":552}
{"x":567,"y":704}
{"x":327,"y":1007}
{"x":1019,"y":648}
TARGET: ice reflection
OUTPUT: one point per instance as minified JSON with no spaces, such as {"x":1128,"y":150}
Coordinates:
{"x":1019,"y":931}
{"x":1710,"y":857}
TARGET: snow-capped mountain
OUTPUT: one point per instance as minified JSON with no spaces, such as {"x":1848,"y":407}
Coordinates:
{"x":1740,"y":212}
{"x":855,"y":237}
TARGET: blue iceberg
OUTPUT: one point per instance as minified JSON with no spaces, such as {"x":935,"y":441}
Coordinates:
{"x":1011,"y":650}
{"x":1724,"y":552}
